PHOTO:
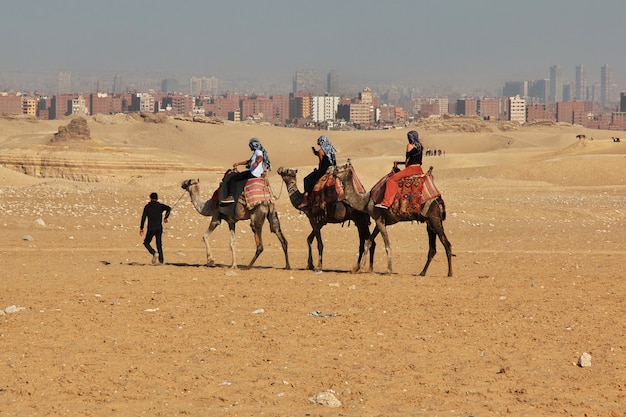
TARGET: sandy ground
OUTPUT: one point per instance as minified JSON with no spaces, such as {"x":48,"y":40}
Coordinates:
{"x":536,"y":219}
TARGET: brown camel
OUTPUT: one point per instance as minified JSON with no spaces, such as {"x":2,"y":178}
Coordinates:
{"x":336,"y":212}
{"x":257,"y":218}
{"x":434,"y":218}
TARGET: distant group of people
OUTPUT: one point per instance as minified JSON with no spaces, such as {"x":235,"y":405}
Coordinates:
{"x":435,"y":152}
{"x":155,"y":212}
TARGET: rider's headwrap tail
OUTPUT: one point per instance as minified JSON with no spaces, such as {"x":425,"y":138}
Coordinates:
{"x":256,"y":145}
{"x":328,"y":149}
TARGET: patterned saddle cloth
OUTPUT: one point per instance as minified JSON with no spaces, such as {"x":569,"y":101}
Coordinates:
{"x":414,"y":193}
{"x":330,"y":190}
{"x":251,"y":193}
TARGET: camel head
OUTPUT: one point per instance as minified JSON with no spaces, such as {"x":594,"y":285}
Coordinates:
{"x":342,"y":172}
{"x":189,"y":183}
{"x":287,"y":172}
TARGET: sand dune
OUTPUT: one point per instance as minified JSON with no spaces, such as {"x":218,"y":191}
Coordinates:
{"x":536,"y":218}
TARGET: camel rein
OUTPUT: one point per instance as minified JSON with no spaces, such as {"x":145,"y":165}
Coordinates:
{"x":181,"y":196}
{"x":272,"y":191}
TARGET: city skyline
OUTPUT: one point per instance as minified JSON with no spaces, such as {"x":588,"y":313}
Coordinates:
{"x":438,"y":46}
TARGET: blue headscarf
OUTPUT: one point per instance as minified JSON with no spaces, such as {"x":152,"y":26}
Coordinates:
{"x":256,"y":145}
{"x":328,"y":149}
{"x":414,"y":138}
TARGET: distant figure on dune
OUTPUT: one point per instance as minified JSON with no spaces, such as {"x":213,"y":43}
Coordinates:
{"x":615,"y":139}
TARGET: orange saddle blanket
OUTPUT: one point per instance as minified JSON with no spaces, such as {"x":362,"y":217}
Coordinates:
{"x":412,"y":193}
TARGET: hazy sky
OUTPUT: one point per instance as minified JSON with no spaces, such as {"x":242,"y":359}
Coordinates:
{"x":414,"y":42}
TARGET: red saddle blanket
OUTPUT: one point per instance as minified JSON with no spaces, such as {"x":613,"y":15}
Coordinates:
{"x":256,"y":191}
{"x":412,"y":193}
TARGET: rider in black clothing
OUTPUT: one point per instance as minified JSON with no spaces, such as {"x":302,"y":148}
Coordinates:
{"x":153,"y":212}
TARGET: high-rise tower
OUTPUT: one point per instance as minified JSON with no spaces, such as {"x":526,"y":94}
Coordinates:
{"x":556,"y":84}
{"x":605,"y":84}
{"x":581,"y":84}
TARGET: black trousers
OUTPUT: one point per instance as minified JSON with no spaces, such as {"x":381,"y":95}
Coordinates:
{"x":158,"y":234}
{"x":312,"y":179}
{"x":239,"y":176}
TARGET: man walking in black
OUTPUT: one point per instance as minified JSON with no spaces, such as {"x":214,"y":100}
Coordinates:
{"x":153,"y":211}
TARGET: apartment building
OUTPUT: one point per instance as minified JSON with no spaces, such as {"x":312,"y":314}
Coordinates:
{"x":10,"y":103}
{"x":517,"y":109}
{"x":324,"y":108}
{"x":540,"y":112}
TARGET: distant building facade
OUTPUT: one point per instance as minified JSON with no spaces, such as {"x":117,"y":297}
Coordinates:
{"x":517,"y":109}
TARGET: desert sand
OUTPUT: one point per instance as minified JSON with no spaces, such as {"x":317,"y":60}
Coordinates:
{"x":536,"y":218}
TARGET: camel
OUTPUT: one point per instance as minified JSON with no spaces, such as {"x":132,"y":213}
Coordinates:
{"x":336,"y":212}
{"x":257,"y":217}
{"x":434,"y":218}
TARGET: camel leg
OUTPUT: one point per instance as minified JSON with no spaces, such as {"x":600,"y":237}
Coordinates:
{"x":257,"y":229}
{"x":233,"y":244}
{"x":432,"y":249}
{"x":448,"y":247}
{"x":383,"y":231}
{"x":209,"y":256}
{"x":363,"y":236}
{"x":436,"y":229}
{"x":368,"y":245}
{"x":309,"y":241}
{"x":275,"y":228}
{"x":320,"y":247}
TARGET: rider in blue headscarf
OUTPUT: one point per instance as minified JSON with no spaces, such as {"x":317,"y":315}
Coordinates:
{"x":327,"y":156}
{"x":257,"y":164}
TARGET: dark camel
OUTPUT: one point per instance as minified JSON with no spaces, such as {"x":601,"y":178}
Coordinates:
{"x":363,"y":202}
{"x":257,"y":218}
{"x":336,"y":212}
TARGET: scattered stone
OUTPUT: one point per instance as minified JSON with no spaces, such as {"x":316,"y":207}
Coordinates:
{"x":259,"y":311}
{"x":318,"y":313}
{"x":325,"y":398}
{"x":40,"y":222}
{"x":585,"y":360}
{"x":27,"y":237}
{"x":13,"y":309}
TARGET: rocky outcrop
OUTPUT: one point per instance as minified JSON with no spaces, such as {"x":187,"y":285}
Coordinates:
{"x":76,"y":130}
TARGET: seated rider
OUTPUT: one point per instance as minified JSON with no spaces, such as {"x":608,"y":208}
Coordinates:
{"x":413,"y":166}
{"x":257,"y":164}
{"x":327,"y":156}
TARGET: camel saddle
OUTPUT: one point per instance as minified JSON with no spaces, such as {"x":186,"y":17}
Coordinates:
{"x":329,"y":190}
{"x":326,"y":189}
{"x":415,"y":193}
{"x":250,"y":193}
